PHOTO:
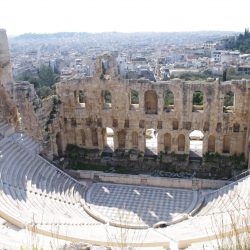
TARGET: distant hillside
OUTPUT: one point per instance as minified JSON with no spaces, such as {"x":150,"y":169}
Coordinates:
{"x":125,"y":38}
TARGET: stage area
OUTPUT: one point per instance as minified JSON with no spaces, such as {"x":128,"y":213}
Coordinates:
{"x":142,"y":206}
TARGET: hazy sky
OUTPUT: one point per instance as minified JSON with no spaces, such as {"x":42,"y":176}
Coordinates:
{"x":46,"y":16}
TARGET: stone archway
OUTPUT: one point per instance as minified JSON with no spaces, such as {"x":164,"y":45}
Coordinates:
{"x":226,"y":144}
{"x":196,"y":144}
{"x":181,"y":143}
{"x":108,"y":139}
{"x":121,"y":136}
{"x":151,"y":142}
{"x":167,"y":142}
{"x":135,"y":139}
{"x":211,"y":144}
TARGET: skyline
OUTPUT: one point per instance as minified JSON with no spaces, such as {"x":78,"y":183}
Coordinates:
{"x":46,"y":16}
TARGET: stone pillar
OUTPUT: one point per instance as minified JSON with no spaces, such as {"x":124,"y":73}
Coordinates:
{"x":128,"y":143}
{"x":160,"y":97}
{"x":88,"y":138}
{"x":160,"y":141}
{"x":115,"y":138}
{"x":205,"y":144}
{"x":141,"y":140}
{"x":100,"y":138}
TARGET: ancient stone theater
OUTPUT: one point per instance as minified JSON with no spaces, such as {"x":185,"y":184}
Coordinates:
{"x":42,"y":206}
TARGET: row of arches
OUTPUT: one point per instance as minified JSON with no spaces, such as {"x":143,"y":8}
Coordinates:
{"x":151,"y":100}
{"x":150,"y":141}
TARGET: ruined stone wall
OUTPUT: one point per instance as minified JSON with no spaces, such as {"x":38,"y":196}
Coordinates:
{"x":5,"y":64}
{"x":8,"y":111}
{"x":28,"y":104}
{"x":35,"y":113}
{"x":83,"y":124}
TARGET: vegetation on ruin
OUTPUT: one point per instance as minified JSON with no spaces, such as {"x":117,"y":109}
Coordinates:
{"x":168,"y":98}
{"x":43,"y":80}
{"x":237,"y":162}
{"x":229,"y":99}
{"x":134,"y":97}
{"x":56,"y":102}
{"x":198,"y":98}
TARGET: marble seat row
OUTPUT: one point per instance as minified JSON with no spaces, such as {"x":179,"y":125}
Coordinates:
{"x":223,"y":211}
{"x":234,"y":196}
{"x":35,"y":191}
{"x":26,"y":141}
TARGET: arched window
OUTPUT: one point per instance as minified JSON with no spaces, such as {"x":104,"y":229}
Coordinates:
{"x":211,"y":143}
{"x":198,"y":101}
{"x":121,"y":139}
{"x":229,"y":102}
{"x":82,"y":97}
{"x":107,"y":99}
{"x":181,"y":143}
{"x":150,"y":102}
{"x":168,"y":101}
{"x":226,"y":144}
{"x":236,"y":127}
{"x":175,"y":124}
{"x":135,"y":139}
{"x":134,"y":100}
{"x":167,"y":142}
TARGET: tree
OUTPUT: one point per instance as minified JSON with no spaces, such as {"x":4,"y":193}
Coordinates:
{"x":46,"y":76}
{"x":198,"y":98}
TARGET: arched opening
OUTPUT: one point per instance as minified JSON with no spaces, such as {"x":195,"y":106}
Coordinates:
{"x":229,"y":102}
{"x":168,"y":101}
{"x":150,"y":102}
{"x":135,"y":139}
{"x":94,"y":136}
{"x":196,"y":144}
{"x":211,"y":144}
{"x":59,"y":143}
{"x":198,"y":99}
{"x":167,"y":142}
{"x":151,"y":142}
{"x":175,"y":124}
{"x":134,"y":100}
{"x":181,"y":143}
{"x":83,"y":137}
{"x":107,"y":99}
{"x":226,"y":144}
{"x":121,"y":136}
{"x":236,"y":127}
{"x":82,"y":98}
{"x":108,"y":139}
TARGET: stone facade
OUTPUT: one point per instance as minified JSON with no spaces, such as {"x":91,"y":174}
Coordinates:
{"x":84,"y":124}
{"x":89,"y":106}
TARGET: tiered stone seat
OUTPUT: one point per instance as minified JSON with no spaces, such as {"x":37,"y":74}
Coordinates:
{"x":222,"y":209}
{"x":235,"y":196}
{"x":31,"y":190}
{"x":26,"y":141}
